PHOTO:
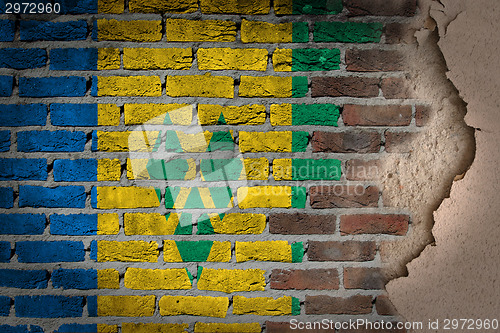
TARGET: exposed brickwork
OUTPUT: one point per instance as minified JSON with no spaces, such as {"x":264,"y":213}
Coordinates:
{"x":159,"y":182}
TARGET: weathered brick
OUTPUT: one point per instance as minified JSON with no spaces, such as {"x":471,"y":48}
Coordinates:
{"x":398,"y":33}
{"x":198,"y":197}
{"x":266,"y":306}
{"x":74,"y":279}
{"x":396,"y":88}
{"x":46,"y":252}
{"x":347,"y":32}
{"x":74,"y":114}
{"x":196,"y":251}
{"x":232,"y":223}
{"x":5,"y":251}
{"x":263,"y":32}
{"x":126,"y":86}
{"x":7,"y":30}
{"x":5,"y":303}
{"x":391,"y":224}
{"x":354,"y":305}
{"x":271,"y":197}
{"x":22,"y":224}
{"x":108,"y":279}
{"x":24,"y":279}
{"x":363,"y":278}
{"x":18,"y":58}
{"x":144,"y":141}
{"x":384,"y":306}
{"x":273,"y":86}
{"x":128,"y":251}
{"x":152,"y":327}
{"x":194,"y":306}
{"x":53,"y":31}
{"x":200,"y":86}
{"x":175,"y":169}
{"x":4,"y":141}
{"x":84,"y":224}
{"x":47,"y":141}
{"x":64,"y":86}
{"x":301,"y":224}
{"x":373,"y":60}
{"x":227,"y":328}
{"x":363,"y":169}
{"x":346,"y":142}
{"x":110,"y":197}
{"x":286,"y":7}
{"x":306,"y":60}
{"x":304,"y":114}
{"x":400,"y":142}
{"x":108,"y":58}
{"x":56,"y":197}
{"x":210,"y":114}
{"x":127,"y":31}
{"x":74,"y":59}
{"x":121,"y":306}
{"x":6,"y":85}
{"x":280,"y":251}
{"x":343,"y":196}
{"x":381,"y":7}
{"x":182,"y":30}
{"x":341,"y":251}
{"x":230,"y":280}
{"x":235,"y":7}
{"x":422,"y":115}
{"x":158,"y":6}
{"x":111,"y":6}
{"x":154,"y":58}
{"x":315,"y":279}
{"x":306,"y":169}
{"x":157,"y":224}
{"x":284,"y":141}
{"x":232,"y":59}
{"x":23,"y":169}
{"x":157,"y":279}
{"x":345,"y":86}
{"x":158,"y":114}
{"x":6,"y":197}
{"x":49,"y":306}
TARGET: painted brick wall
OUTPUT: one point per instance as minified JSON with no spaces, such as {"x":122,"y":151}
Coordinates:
{"x":270,"y":211}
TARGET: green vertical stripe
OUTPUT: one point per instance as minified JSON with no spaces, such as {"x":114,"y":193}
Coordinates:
{"x":347,"y":32}
{"x":295,"y":306}
{"x":307,"y":60}
{"x":300,"y":86}
{"x":317,"y":7}
{"x":190,"y":276}
{"x":299,"y":196}
{"x":300,"y":32}
{"x":299,"y":141}
{"x":297,"y":252}
{"x":315,"y":114}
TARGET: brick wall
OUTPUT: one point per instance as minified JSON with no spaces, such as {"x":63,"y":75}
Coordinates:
{"x":116,"y":216}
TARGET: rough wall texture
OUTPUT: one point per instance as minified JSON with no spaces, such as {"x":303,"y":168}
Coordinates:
{"x":165,"y":166}
{"x":463,"y":263}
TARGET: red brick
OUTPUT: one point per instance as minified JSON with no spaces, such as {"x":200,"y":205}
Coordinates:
{"x":391,"y":224}
{"x":397,"y":33}
{"x":373,"y":330}
{"x":385,"y":307}
{"x":345,"y":86}
{"x":400,"y":142}
{"x":363,"y":278}
{"x":341,"y":251}
{"x":363,"y":170}
{"x":377,"y":115}
{"x":316,"y":279}
{"x":343,"y":196}
{"x":396,"y":88}
{"x":346,"y":142}
{"x":301,"y":224}
{"x":373,"y":60}
{"x":381,"y":7}
{"x":422,"y":115}
{"x":284,"y":327}
{"x":323,"y":304}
